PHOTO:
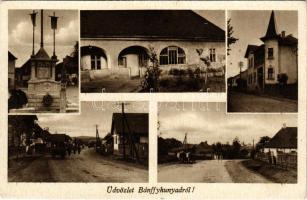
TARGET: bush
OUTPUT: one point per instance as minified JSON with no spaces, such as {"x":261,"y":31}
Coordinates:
{"x":165,"y":82}
{"x":152,"y":74}
{"x":190,"y":73}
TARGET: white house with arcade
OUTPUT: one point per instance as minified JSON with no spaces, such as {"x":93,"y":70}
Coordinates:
{"x":119,"y":42}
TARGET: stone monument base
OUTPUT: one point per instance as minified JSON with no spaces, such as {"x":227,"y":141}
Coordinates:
{"x":38,"y":89}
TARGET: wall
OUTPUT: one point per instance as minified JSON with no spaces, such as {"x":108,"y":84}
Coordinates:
{"x":288,"y":63}
{"x":274,"y":150}
{"x":112,"y":48}
{"x":11,"y":74}
{"x":271,"y":62}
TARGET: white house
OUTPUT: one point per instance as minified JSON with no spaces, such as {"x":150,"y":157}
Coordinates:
{"x":119,"y":42}
{"x":130,"y":134}
{"x":274,"y":59}
{"x":284,"y":141}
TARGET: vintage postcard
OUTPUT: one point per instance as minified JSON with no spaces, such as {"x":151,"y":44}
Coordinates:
{"x":153,"y":100}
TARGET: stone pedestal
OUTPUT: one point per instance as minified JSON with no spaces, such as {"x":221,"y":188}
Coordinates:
{"x":42,"y":84}
{"x":37,"y":89}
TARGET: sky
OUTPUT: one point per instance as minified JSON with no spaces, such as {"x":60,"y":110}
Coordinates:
{"x":20,"y":33}
{"x":92,"y":113}
{"x":216,"y":17}
{"x":249,"y":26}
{"x":208,"y":122}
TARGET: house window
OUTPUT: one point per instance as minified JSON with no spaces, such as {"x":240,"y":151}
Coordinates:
{"x":212,"y":55}
{"x":270,"y":53}
{"x":271,"y":73}
{"x":172,"y":56}
{"x":95,"y":62}
{"x":122,"y":61}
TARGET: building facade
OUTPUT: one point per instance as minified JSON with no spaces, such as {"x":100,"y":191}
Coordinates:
{"x":122,"y":42}
{"x":11,"y":70}
{"x":130,"y":135}
{"x":274,"y":63}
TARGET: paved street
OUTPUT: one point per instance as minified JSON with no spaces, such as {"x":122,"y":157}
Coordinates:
{"x":208,"y":171}
{"x":86,"y":167}
{"x":241,"y":102}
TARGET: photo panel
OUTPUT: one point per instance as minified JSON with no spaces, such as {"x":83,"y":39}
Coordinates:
{"x":199,"y":143}
{"x":152,"y":51}
{"x":43,"y":61}
{"x":107,"y":142}
{"x":262,"y":68}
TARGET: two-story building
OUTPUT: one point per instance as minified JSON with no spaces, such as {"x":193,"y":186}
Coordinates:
{"x":121,"y":41}
{"x":274,"y":62}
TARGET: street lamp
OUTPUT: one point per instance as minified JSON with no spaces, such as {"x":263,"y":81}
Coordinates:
{"x":33,"y":19}
{"x":54,"y":21}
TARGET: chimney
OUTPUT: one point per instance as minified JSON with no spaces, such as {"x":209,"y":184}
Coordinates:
{"x":283,"y":34}
{"x":284,"y":125}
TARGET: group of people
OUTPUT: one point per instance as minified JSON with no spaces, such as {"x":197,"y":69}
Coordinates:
{"x":74,"y":147}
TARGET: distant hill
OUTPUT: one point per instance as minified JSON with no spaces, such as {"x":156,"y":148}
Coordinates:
{"x":85,"y":139}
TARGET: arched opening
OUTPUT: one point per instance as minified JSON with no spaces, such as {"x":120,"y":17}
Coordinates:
{"x":134,"y":57}
{"x":172,"y":55}
{"x":93,"y":58}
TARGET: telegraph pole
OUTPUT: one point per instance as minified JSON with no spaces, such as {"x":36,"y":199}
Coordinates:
{"x":123,"y":130}
{"x":97,"y":137}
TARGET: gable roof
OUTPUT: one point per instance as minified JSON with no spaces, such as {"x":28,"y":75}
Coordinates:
{"x":250,"y":48}
{"x":11,"y":56}
{"x":175,"y":24}
{"x":42,"y":54}
{"x":138,"y":123}
{"x":284,"y":138}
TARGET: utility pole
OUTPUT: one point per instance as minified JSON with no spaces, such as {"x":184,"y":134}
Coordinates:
{"x":185,"y":141}
{"x":97,"y":137}
{"x":123,"y":130}
{"x":240,"y":66}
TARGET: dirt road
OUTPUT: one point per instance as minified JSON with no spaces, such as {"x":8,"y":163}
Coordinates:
{"x":208,"y":171}
{"x":240,"y":102}
{"x":86,"y":167}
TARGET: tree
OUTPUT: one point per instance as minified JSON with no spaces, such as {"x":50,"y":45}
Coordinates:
{"x":262,"y":142}
{"x":22,"y":124}
{"x":151,"y":79}
{"x":236,"y":147}
{"x":230,"y":39}
{"x":75,"y":53}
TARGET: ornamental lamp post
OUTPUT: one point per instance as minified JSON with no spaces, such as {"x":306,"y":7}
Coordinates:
{"x":54,"y":20}
{"x":33,"y":19}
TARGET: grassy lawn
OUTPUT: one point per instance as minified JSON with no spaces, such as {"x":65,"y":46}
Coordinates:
{"x":270,"y":172}
{"x":167,"y":83}
{"x":186,"y":84}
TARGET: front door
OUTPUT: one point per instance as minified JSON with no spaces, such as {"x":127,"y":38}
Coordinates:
{"x":133,"y":64}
